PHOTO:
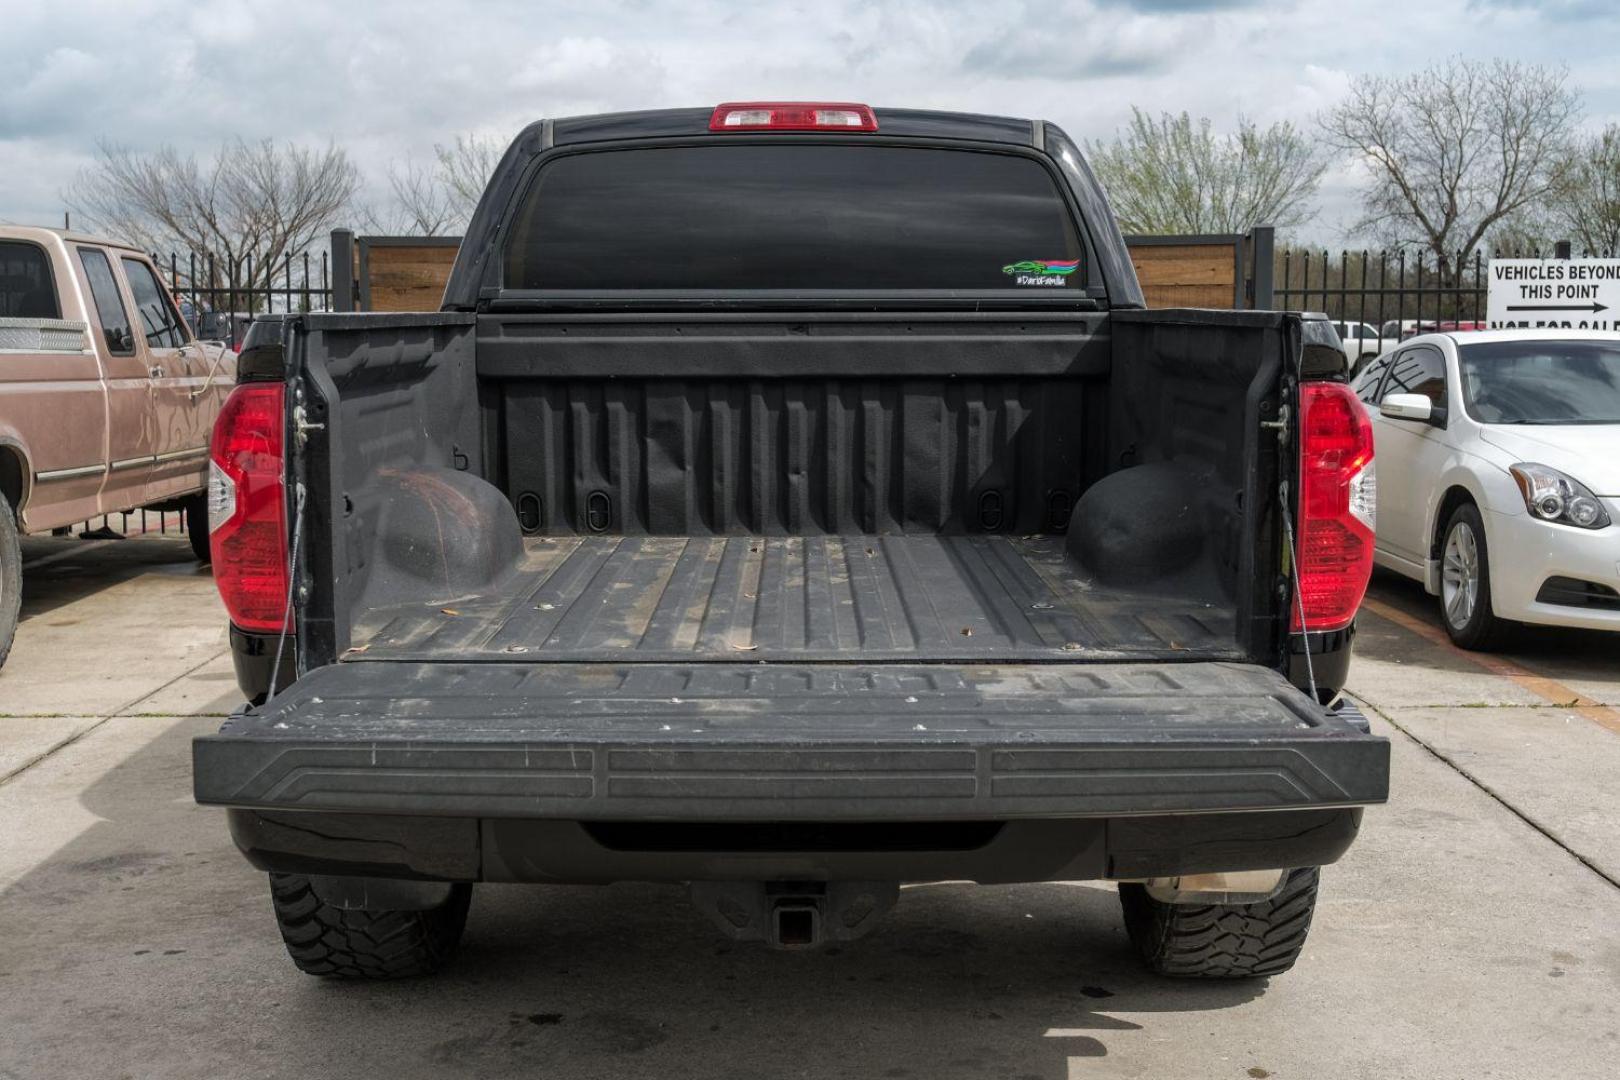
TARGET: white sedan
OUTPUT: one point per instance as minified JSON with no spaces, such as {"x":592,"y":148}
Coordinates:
{"x":1499,"y":476}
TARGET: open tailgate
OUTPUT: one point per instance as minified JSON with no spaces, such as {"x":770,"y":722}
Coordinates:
{"x":716,"y":742}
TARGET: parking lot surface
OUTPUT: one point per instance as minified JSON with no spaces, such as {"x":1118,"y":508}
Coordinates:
{"x":1474,"y":931}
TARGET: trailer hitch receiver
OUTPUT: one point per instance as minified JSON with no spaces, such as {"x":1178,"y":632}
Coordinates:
{"x":794,"y":914}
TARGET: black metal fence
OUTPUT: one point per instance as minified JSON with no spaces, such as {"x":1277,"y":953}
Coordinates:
{"x":218,"y":301}
{"x":127,"y":523}
{"x":1396,"y":292}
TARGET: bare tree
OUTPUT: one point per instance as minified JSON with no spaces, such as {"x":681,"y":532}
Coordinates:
{"x":418,"y":204}
{"x":1175,"y":175}
{"x":256,"y":201}
{"x":1527,"y":233}
{"x":437,"y":201}
{"x":1456,"y":149}
{"x":1585,"y":208}
{"x":464,"y":170}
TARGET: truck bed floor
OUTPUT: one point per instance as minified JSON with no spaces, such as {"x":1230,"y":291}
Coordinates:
{"x":816,"y":598}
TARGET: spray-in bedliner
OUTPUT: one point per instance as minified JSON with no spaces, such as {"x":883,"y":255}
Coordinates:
{"x":676,"y":598}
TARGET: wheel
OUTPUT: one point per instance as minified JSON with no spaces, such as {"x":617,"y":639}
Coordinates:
{"x":1222,"y":941}
{"x":196,"y":512}
{"x":338,"y":944}
{"x":10,"y":578}
{"x":1465,"y":583}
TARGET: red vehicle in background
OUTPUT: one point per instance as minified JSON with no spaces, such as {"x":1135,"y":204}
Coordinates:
{"x":1444,"y":326}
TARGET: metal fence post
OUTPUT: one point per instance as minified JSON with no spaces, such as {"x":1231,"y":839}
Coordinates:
{"x":1562,"y":249}
{"x":1262,"y":244}
{"x":342,"y":270}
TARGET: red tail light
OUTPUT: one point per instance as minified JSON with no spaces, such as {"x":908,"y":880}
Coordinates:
{"x":247,"y":507}
{"x":792,"y":116}
{"x":1337,"y":499}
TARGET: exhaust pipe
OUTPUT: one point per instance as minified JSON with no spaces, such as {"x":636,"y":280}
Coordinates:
{"x":1232,"y":887}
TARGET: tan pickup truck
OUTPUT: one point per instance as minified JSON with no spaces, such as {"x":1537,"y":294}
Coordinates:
{"x":106,"y":399}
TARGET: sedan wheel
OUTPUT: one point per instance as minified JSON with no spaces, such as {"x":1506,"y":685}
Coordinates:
{"x":1459,"y":575}
{"x":1465,"y":582}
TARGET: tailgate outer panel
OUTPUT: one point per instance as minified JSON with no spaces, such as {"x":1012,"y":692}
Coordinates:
{"x":777,"y":742}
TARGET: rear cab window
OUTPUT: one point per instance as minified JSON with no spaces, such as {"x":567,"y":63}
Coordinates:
{"x":27,"y":287}
{"x":160,"y":320}
{"x":110,"y":312}
{"x":806,"y":217}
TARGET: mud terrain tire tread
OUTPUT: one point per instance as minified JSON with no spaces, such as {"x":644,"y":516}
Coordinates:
{"x":1222,"y":941}
{"x":333,"y":943}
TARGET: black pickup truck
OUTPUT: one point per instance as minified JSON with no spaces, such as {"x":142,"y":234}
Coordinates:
{"x":793,"y":500}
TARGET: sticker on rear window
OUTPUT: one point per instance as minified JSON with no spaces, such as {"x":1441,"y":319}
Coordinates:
{"x":1041,"y":271}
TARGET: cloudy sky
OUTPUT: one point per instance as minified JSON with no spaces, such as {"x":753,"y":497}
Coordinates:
{"x":388,"y":80}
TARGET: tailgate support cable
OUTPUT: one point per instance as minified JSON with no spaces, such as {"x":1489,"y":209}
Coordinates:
{"x":1299,"y":595}
{"x":292,"y":586}
{"x":1281,"y":425}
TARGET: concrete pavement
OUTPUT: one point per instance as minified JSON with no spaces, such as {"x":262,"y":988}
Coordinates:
{"x":1539,"y":729}
{"x":1473,"y":931}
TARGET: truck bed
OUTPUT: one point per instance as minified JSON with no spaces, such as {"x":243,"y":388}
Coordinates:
{"x":799,"y":598}
{"x":534,"y":488}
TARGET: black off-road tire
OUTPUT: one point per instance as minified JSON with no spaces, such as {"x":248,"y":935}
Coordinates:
{"x":10,"y":578}
{"x":1222,"y":941}
{"x":337,"y":944}
{"x":196,"y":514}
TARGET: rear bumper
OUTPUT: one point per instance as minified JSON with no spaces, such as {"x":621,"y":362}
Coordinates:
{"x":575,"y":852}
{"x":254,"y":657}
{"x":789,"y":743}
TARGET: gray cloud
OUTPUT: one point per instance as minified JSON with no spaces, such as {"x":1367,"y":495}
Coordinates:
{"x":386,"y":80}
{"x":1553,"y":10}
{"x":1177,"y":7}
{"x":1030,"y":55}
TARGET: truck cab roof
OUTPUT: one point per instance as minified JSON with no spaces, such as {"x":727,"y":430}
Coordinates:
{"x":676,"y":123}
{"x":51,"y":236}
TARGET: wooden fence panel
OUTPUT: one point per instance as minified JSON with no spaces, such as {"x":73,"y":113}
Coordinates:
{"x":1189,"y":271}
{"x":404,"y":273}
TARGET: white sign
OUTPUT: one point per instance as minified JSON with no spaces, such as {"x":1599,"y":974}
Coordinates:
{"x":1540,"y":294}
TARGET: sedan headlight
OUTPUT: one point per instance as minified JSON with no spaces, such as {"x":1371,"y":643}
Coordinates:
{"x":1553,"y":496}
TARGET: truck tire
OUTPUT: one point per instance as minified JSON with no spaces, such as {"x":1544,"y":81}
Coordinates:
{"x":1222,"y":941}
{"x":334,"y":943}
{"x":10,"y":578}
{"x":196,"y":515}
{"x":1465,"y":583}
